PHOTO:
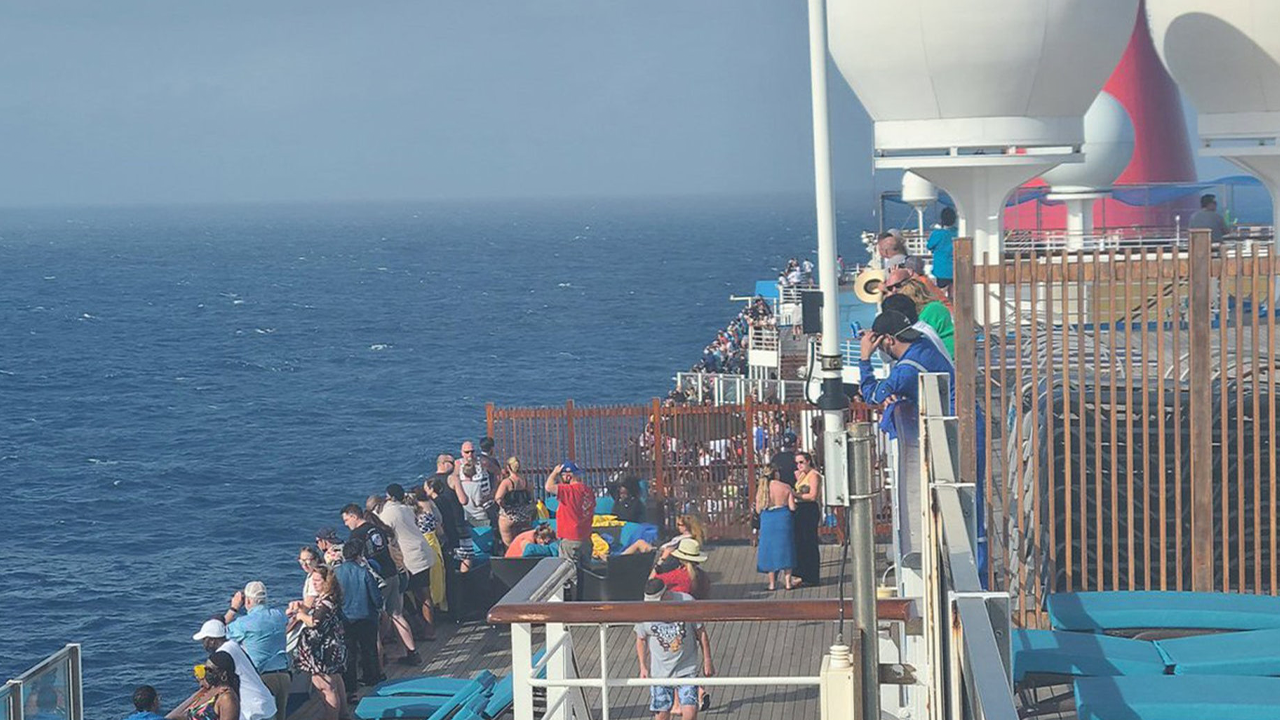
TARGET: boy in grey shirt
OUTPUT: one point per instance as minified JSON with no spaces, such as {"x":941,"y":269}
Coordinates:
{"x":670,"y":650}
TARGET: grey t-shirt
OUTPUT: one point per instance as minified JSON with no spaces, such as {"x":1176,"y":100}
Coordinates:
{"x":673,"y":647}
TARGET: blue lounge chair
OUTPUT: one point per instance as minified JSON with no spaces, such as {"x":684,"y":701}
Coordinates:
{"x":1255,"y":653}
{"x":1198,"y":697}
{"x":411,"y":707}
{"x":1040,"y":653}
{"x":1137,"y":610}
{"x":432,"y":685}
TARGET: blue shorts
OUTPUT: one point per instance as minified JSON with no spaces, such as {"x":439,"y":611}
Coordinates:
{"x":662,"y":698}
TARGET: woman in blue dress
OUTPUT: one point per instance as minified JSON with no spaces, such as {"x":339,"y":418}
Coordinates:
{"x":776,"y":504}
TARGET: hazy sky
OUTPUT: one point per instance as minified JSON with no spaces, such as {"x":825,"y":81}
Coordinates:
{"x":178,"y":100}
{"x":160,"y":101}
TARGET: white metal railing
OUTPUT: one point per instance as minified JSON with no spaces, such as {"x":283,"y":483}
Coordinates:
{"x":727,"y":389}
{"x":539,"y":599}
{"x":968,"y":647}
{"x":764,"y":338}
{"x":51,"y":688}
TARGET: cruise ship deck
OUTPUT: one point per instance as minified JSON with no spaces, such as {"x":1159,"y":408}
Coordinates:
{"x":739,"y":649}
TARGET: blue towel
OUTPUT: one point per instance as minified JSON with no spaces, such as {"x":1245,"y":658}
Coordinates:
{"x":777,"y":550}
{"x":604,"y":505}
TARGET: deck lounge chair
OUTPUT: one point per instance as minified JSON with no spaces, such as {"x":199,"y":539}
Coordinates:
{"x":1255,"y":653}
{"x":428,"y":707}
{"x":1044,"y":657}
{"x":1140,"y":610}
{"x":1197,"y":697}
{"x":432,"y":685}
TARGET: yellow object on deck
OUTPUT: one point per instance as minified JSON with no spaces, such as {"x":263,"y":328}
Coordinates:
{"x":435,"y":576}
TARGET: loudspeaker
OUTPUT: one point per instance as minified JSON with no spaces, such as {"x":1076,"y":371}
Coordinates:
{"x":811,"y":311}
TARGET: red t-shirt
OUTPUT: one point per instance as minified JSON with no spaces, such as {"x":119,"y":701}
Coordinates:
{"x":677,"y":580}
{"x":577,"y":510}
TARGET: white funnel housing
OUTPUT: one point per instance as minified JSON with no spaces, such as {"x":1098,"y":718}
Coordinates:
{"x":1225,"y":54}
{"x":916,"y":191}
{"x":1108,"y":147}
{"x":978,"y":96}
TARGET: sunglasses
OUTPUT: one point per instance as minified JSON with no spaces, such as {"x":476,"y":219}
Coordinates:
{"x":896,"y":286}
{"x":468,"y":452}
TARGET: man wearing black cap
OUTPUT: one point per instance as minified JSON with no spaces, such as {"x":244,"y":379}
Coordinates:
{"x":785,"y":461}
{"x":913,"y":354}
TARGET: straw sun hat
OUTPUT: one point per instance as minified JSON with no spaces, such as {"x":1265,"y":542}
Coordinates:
{"x":869,"y":286}
{"x":689,"y":549}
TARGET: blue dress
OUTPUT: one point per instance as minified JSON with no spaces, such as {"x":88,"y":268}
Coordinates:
{"x":777,"y":550}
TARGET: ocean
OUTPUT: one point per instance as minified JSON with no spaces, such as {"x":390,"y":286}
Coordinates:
{"x":187,"y":394}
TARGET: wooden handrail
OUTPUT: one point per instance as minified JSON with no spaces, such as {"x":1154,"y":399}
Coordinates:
{"x":586,"y":613}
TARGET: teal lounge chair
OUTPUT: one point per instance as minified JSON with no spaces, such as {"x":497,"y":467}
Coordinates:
{"x":1198,"y":697}
{"x":1046,"y":657}
{"x":1255,"y":653}
{"x":1141,"y":610}
{"x":418,"y":707}
{"x":445,"y":686}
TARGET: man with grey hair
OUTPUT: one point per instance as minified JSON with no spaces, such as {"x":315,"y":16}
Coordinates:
{"x":261,"y":632}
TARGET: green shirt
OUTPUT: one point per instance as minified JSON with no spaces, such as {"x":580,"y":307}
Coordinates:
{"x":937,"y":316}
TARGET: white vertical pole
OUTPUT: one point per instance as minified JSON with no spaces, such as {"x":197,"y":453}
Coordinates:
{"x":834,"y":402}
{"x":521,"y":668}
{"x":604,"y":671}
{"x":559,"y":666}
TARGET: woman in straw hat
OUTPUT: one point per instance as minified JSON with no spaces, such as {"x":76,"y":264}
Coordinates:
{"x":688,"y":576}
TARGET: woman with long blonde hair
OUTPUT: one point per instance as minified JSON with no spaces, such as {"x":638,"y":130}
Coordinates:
{"x":515,"y":502}
{"x":930,"y":310}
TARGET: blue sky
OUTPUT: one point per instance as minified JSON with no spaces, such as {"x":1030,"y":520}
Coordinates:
{"x":165,"y":101}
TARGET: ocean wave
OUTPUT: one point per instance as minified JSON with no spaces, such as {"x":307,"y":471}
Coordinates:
{"x":380,"y":346}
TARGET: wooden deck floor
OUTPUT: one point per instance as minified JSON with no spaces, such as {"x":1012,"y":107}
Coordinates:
{"x":742,"y":649}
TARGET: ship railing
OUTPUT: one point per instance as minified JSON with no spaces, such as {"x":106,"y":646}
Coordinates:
{"x":732,"y":389}
{"x":969,"y":629}
{"x":52,"y":687}
{"x":537,"y":605}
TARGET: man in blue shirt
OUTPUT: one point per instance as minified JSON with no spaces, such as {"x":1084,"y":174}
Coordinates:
{"x":361,"y":603}
{"x":147,"y":703}
{"x":261,"y":632}
{"x":940,"y":244}
{"x":912,"y":354}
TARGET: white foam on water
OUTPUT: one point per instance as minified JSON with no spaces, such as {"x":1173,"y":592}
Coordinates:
{"x":380,"y":346}
{"x":564,"y":284}
{"x":264,"y":331}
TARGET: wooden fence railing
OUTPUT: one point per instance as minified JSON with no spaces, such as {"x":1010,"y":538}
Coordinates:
{"x":695,"y":458}
{"x":1131,"y":404}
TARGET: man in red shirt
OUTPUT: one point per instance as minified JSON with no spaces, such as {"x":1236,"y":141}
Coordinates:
{"x":575,"y":514}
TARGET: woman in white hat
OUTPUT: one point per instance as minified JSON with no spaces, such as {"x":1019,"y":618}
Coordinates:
{"x":688,"y":576}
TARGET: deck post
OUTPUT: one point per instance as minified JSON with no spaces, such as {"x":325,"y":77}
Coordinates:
{"x":1201,"y":407}
{"x":488,"y":419}
{"x":659,"y":450}
{"x":966,"y":359}
{"x":521,"y":669}
{"x":568,"y":422}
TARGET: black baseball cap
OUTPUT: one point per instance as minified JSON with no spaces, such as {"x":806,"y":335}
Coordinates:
{"x":901,"y":304}
{"x":895,"y":324}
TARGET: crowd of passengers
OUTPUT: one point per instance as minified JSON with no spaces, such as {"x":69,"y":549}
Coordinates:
{"x":373,"y":594}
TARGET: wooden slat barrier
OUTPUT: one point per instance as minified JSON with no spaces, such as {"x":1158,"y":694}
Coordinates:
{"x":699,"y":459}
{"x":1130,"y":412}
{"x":894,"y":609}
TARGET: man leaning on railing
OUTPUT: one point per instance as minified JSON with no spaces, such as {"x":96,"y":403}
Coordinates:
{"x":670,"y":650}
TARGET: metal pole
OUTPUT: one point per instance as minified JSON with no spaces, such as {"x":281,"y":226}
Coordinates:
{"x":862,"y":448}
{"x":833,"y":402}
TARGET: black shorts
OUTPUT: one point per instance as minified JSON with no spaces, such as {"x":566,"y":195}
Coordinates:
{"x":943,"y":283}
{"x":419,"y":581}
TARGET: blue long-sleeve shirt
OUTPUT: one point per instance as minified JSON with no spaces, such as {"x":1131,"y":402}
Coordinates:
{"x":261,"y":632}
{"x":361,"y":598}
{"x":903,"y":381}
